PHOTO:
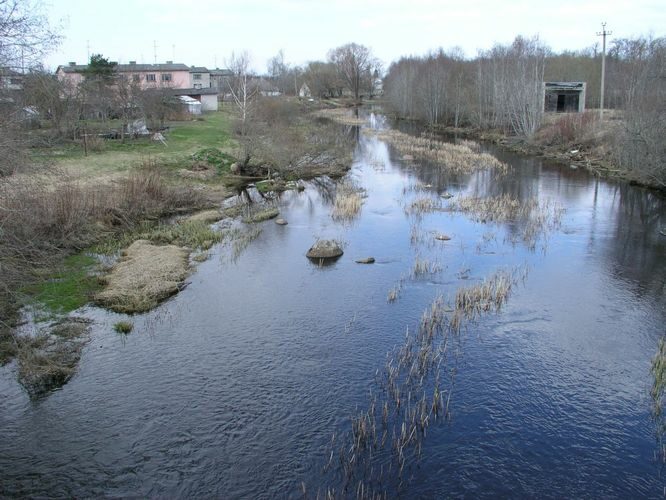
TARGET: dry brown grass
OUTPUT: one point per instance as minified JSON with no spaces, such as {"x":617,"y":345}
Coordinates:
{"x":146,"y":275}
{"x":344,"y":116}
{"x":536,"y":219}
{"x":456,"y":158}
{"x":423,"y":205}
{"x":348,"y":200}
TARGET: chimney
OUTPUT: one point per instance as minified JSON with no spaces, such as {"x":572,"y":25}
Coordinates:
{"x":132,"y":62}
{"x":169,"y":62}
{"x":72,"y":63}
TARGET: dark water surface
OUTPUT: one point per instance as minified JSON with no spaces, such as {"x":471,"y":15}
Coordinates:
{"x":234,"y":387}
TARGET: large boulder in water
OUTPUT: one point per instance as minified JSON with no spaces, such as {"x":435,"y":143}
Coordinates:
{"x":325,"y":249}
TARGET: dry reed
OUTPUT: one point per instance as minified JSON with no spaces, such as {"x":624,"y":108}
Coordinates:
{"x":415,"y":385}
{"x":457,"y":158}
{"x":348,"y":200}
{"x":344,"y":116}
{"x":536,"y":219}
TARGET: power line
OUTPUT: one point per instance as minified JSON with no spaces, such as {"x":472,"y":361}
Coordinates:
{"x":603,"y":34}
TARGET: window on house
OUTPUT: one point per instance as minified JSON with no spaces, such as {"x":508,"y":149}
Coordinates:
{"x":15,"y":81}
{"x":150,"y":77}
{"x":166,"y":77}
{"x":197,"y":76}
{"x":136,"y":78}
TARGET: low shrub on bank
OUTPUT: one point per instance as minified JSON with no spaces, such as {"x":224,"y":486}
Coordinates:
{"x":42,"y":221}
{"x":569,"y":128}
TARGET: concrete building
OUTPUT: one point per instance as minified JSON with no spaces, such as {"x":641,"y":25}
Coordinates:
{"x":564,"y":97}
{"x":171,"y":75}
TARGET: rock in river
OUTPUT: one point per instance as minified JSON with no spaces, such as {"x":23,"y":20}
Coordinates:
{"x":281,"y":222}
{"x":442,"y":237}
{"x":325,"y":249}
{"x":367,"y":260}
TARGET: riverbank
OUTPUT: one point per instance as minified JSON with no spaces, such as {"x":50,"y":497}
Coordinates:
{"x":576,"y":140}
{"x":65,"y":220}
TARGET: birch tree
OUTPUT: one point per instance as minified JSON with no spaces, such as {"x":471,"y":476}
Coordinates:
{"x":244,"y":93}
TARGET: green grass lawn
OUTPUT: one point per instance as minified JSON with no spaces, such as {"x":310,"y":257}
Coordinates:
{"x":182,"y":138}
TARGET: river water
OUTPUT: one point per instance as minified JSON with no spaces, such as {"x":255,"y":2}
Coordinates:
{"x":235,"y":387}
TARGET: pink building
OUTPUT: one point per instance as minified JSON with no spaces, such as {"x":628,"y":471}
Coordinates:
{"x":183,"y":79}
{"x":176,"y":76}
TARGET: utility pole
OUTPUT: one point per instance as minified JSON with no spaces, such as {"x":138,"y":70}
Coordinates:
{"x":154,"y":51}
{"x":603,"y":34}
{"x":88,"y":49}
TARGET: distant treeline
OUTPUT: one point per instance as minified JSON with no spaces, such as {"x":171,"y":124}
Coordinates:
{"x":501,"y":87}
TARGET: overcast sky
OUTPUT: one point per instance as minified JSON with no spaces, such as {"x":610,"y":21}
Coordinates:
{"x":205,"y":32}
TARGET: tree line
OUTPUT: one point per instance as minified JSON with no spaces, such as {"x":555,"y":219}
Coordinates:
{"x":501,"y":88}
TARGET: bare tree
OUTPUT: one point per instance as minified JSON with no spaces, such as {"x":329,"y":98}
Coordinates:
{"x":640,"y":146}
{"x":54,"y":99}
{"x":25,"y":34}
{"x":323,"y":79}
{"x":244,"y":92}
{"x":355,"y":65}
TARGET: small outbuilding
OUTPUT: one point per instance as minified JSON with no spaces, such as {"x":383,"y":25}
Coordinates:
{"x":304,"y":91}
{"x":192,"y":106}
{"x":564,"y":97}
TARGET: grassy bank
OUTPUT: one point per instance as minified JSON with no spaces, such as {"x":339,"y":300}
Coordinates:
{"x":75,"y":205}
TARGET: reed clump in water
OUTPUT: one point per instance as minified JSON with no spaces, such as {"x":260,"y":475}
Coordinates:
{"x":348,"y":201}
{"x":423,"y":267}
{"x":456,"y":158}
{"x":415,"y":388}
{"x":484,"y":297}
{"x":535,"y":219}
{"x":423,"y":205}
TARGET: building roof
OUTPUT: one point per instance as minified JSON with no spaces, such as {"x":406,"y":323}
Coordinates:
{"x":80,"y":68}
{"x":221,"y":72}
{"x":565,"y":85}
{"x":199,"y":69}
{"x":193,"y":91}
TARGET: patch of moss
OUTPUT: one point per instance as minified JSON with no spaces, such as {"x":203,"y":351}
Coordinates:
{"x":68,"y":287}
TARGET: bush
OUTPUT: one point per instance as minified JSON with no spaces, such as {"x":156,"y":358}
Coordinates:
{"x":569,"y":128}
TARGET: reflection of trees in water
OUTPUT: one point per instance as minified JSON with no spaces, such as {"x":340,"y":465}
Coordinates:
{"x":325,"y":186}
{"x":636,"y":252}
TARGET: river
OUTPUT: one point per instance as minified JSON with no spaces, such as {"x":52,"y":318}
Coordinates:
{"x":235,"y":386}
